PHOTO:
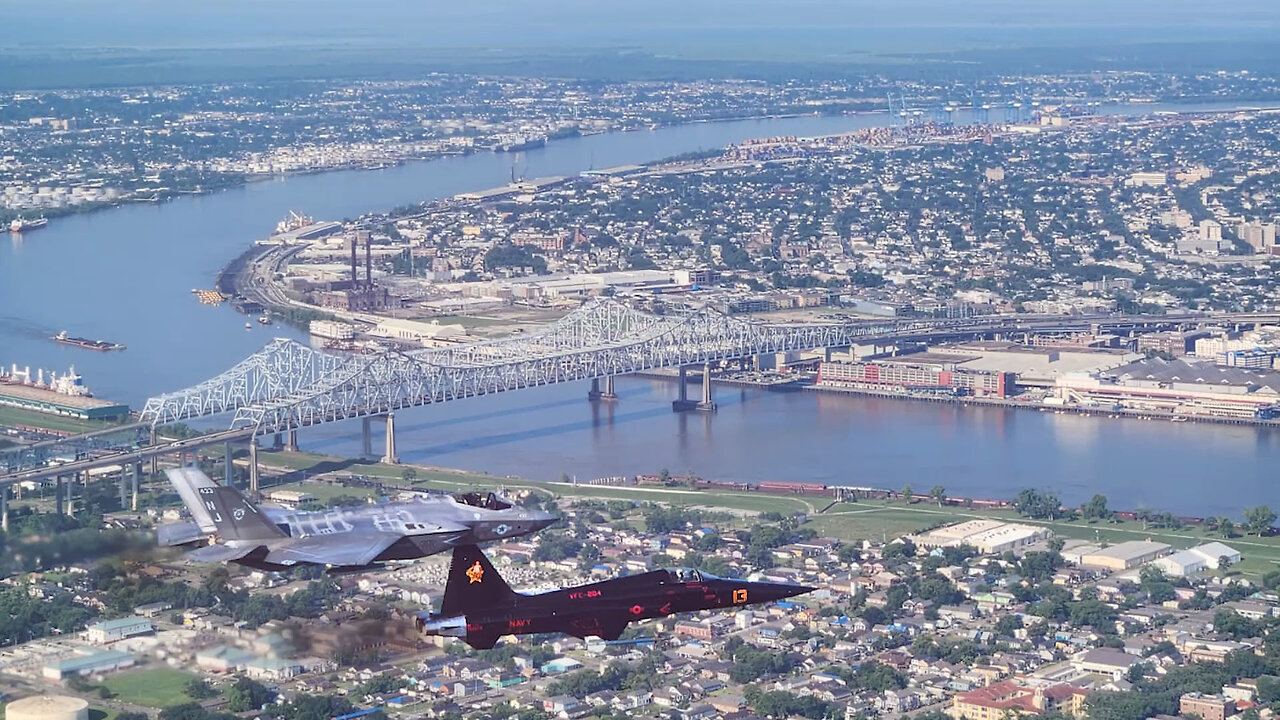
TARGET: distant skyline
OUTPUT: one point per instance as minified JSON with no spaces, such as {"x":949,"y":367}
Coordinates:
{"x":679,"y":26}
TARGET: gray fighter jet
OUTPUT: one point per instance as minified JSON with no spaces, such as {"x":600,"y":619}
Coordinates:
{"x":347,"y":539}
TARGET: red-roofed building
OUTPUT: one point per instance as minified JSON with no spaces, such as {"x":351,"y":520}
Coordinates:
{"x":998,"y":700}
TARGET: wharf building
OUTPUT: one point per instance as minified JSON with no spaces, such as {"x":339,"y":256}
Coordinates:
{"x":921,"y":372}
{"x":1178,"y":387}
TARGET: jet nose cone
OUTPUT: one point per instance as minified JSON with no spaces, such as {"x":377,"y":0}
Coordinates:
{"x":542,"y":520}
{"x":779,"y":591}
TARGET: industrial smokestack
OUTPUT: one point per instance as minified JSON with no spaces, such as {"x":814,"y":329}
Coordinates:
{"x":355,"y":277}
{"x":368,"y":262}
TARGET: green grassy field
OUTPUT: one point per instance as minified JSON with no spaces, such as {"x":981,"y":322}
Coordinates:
{"x":866,"y":520}
{"x":450,"y":480}
{"x":154,"y":687}
{"x":10,"y":416}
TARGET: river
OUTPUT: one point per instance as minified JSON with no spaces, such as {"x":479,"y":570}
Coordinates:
{"x":125,"y":275}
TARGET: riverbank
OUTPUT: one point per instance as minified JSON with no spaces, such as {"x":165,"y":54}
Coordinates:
{"x":1015,"y":404}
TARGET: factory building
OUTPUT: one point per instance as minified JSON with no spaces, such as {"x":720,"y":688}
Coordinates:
{"x":357,"y":296}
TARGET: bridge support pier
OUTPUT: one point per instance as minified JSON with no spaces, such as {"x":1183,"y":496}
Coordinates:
{"x":137,"y":477}
{"x":253,"y":466}
{"x":124,"y":479}
{"x":155,"y":461}
{"x":4,"y":508}
{"x":57,"y":495}
{"x":366,"y":436}
{"x":229,"y":467}
{"x":389,"y":455}
{"x":291,"y":440}
{"x":71,"y":495}
{"x":682,"y":402}
{"x":597,"y":393}
{"x":707,"y":404}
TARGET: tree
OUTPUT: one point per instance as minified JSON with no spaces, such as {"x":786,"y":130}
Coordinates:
{"x":907,"y":495}
{"x":198,"y":689}
{"x":409,"y":474}
{"x":1221,"y":524}
{"x":1037,"y":505}
{"x":938,"y":494}
{"x":246,"y":695}
{"x":1224,"y":562}
{"x":1258,"y":520}
{"x":1096,"y":508}
{"x":1008,"y":625}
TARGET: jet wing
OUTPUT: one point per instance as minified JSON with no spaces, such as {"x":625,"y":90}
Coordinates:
{"x":180,"y":533}
{"x":220,"y":553}
{"x":344,"y":549}
{"x":607,"y":627}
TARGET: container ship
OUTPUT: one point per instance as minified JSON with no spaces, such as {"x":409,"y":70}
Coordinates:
{"x":20,"y":225}
{"x":517,"y":144}
{"x":64,"y":395}
{"x":99,"y":345}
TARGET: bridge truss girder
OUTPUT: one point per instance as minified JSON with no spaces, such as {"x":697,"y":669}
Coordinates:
{"x":606,"y":339}
{"x":280,"y":368}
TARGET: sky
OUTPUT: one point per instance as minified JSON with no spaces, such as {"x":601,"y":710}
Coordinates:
{"x":658,"y":25}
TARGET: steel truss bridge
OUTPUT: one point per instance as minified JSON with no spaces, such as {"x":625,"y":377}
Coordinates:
{"x":287,"y":385}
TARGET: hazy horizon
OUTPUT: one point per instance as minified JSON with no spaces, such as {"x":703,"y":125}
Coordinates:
{"x":658,"y":25}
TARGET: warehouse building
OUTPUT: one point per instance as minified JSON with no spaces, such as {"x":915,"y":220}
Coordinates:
{"x":1214,"y":552}
{"x":989,"y":537}
{"x":1125,"y":555}
{"x":1181,"y":564}
{"x":87,"y":661}
{"x":1178,"y":387}
{"x":109,"y":631}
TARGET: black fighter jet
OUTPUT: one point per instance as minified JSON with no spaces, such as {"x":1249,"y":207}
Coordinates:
{"x":480,"y":607}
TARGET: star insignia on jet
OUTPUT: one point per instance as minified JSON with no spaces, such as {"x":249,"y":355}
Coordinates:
{"x":475,"y":573}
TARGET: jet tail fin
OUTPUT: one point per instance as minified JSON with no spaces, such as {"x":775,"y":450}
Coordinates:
{"x":189,"y":481}
{"x":474,"y":584}
{"x":235,"y":517}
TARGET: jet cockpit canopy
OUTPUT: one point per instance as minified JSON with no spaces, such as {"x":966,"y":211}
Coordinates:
{"x":684,"y":575}
{"x":488,"y":501}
